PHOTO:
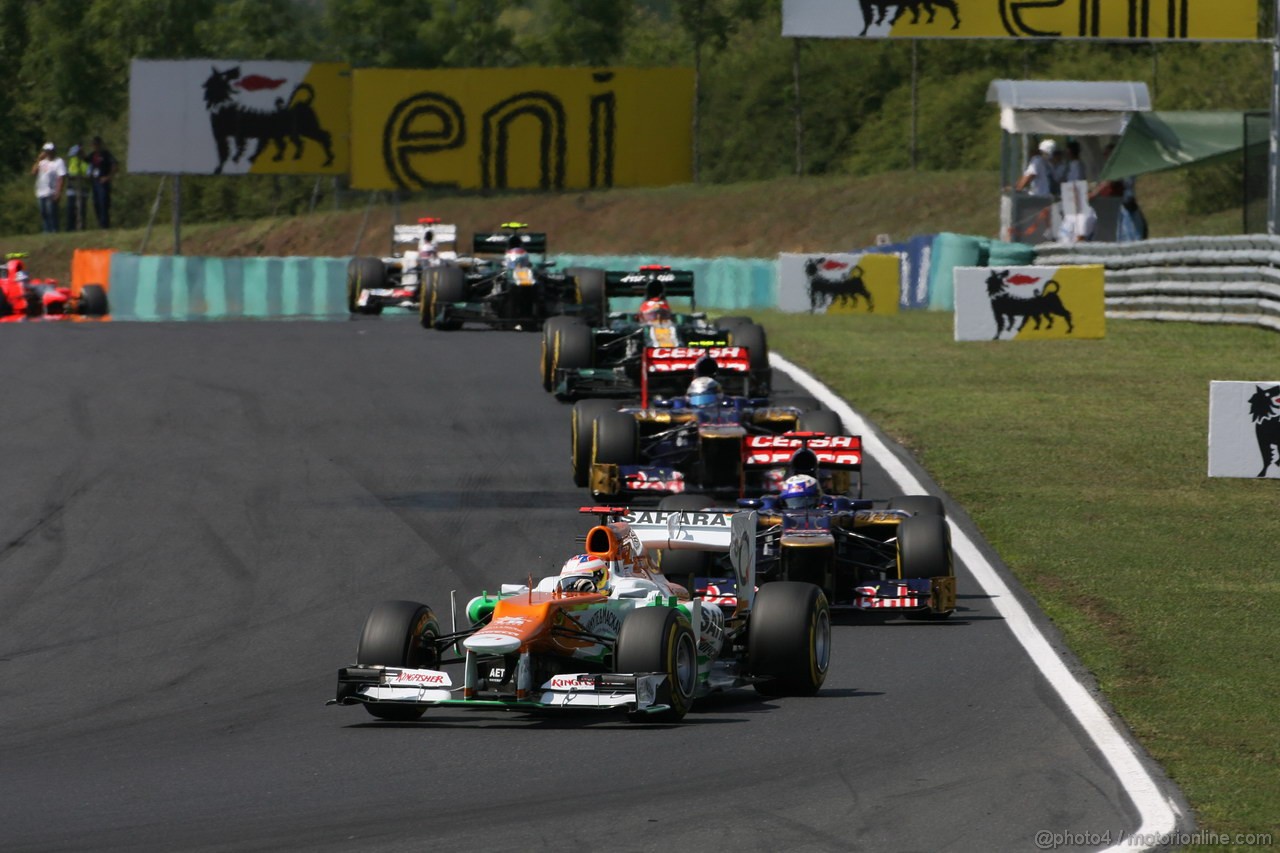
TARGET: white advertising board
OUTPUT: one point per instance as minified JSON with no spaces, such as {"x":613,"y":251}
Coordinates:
{"x":1244,"y":429}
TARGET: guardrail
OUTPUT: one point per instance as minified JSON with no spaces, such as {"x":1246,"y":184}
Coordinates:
{"x":1190,"y":279}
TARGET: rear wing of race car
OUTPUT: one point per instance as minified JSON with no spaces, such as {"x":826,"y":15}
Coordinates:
{"x":408,"y":233}
{"x":496,"y":242}
{"x":667,"y":361}
{"x":827,"y":453}
{"x":672,"y":282}
{"x":733,"y":531}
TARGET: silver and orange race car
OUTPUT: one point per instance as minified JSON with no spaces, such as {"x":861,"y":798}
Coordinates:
{"x":616,"y":635}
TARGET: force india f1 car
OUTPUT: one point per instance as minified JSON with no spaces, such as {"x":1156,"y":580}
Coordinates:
{"x":506,"y":286}
{"x":25,"y":298}
{"x":396,"y":281}
{"x":580,"y":359}
{"x":672,"y":447}
{"x":892,"y":560}
{"x":637,"y":643}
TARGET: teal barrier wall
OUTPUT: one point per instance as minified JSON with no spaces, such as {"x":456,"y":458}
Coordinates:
{"x":719,"y":283}
{"x":164,"y":287}
{"x":958,"y":250}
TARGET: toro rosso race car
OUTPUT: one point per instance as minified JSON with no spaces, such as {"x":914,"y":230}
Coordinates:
{"x":895,"y":560}
{"x":25,"y":298}
{"x":608,"y":633}
{"x":396,"y":281}
{"x":699,"y":442}
{"x":609,"y":359}
{"x":509,"y":285}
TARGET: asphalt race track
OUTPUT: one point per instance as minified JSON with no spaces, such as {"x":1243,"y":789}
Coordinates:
{"x":195,"y":519}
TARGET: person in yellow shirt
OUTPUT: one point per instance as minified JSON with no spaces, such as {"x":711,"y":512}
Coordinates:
{"x":77,"y":189}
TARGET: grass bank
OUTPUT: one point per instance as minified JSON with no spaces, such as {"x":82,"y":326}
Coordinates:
{"x":1084,"y":464}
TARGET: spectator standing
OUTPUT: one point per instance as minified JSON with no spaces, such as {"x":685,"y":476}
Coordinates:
{"x":1038,"y":176}
{"x":102,"y":170}
{"x":77,"y":189}
{"x":51,"y":178}
{"x":1073,"y":169}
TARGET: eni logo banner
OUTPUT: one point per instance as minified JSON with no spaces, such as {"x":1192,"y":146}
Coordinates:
{"x":234,"y":117}
{"x":837,"y":283}
{"x":1244,"y":429}
{"x":1030,"y":303}
{"x":521,"y":128}
{"x":1144,"y":20}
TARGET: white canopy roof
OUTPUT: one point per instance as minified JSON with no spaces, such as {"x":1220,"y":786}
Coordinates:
{"x":1072,"y":107}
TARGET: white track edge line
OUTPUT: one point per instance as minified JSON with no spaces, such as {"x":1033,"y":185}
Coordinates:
{"x":1159,"y":815}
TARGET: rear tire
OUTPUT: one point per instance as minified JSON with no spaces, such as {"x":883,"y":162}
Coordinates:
{"x":659,"y":639}
{"x":591,"y":292}
{"x":826,"y":422}
{"x":398,"y":633}
{"x":582,"y":427}
{"x":573,"y":348}
{"x":364,"y":274}
{"x":444,"y":286}
{"x":93,"y":301}
{"x":789,"y":638}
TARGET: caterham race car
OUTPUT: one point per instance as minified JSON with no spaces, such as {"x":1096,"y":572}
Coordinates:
{"x":507,"y":285}
{"x":25,"y":298}
{"x":896,"y":559}
{"x":396,"y":281}
{"x":608,"y":633}
{"x":697,"y":442}
{"x":605,"y":357}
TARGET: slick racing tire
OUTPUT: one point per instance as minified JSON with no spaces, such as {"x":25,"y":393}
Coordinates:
{"x":729,"y":324}
{"x":683,"y":566}
{"x":591,"y":292}
{"x":550,"y":334}
{"x":614,"y":440}
{"x":827,"y":423}
{"x":918,"y":504}
{"x":659,"y":639}
{"x":789,"y":638}
{"x":398,"y":633}
{"x":752,"y":336}
{"x":364,"y":274}
{"x":93,"y":301}
{"x":573,"y":348}
{"x":582,"y":426}
{"x":924,"y":551}
{"x":445,"y":285}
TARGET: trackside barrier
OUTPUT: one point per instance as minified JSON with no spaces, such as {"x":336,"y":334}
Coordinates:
{"x":719,"y":283}
{"x":1191,"y":279}
{"x":165,"y":287}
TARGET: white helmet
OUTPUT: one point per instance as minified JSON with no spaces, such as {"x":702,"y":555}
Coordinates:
{"x":584,"y":573}
{"x":801,"y":492}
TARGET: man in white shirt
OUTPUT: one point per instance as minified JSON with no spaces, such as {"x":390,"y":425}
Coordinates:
{"x":1039,"y":173}
{"x":51,"y":180}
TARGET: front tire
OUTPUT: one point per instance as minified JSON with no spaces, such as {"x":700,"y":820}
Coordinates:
{"x":752,"y":336}
{"x":364,"y":274}
{"x":93,"y":301}
{"x":825,"y":422}
{"x":918,"y":504}
{"x":924,"y":551}
{"x":659,"y":639}
{"x":582,"y":427}
{"x":445,"y":286}
{"x":550,"y":332}
{"x":590,"y":284}
{"x":398,"y":633}
{"x":789,"y":638}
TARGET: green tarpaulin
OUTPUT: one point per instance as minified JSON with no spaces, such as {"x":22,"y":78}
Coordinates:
{"x":1153,"y":142}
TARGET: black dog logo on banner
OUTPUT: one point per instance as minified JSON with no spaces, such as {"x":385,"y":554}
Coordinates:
{"x":1264,"y":408}
{"x":1045,"y":304}
{"x":293,"y":119}
{"x":826,"y":291}
{"x":874,"y":11}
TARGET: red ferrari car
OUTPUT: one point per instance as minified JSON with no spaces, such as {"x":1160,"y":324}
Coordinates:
{"x":25,"y":298}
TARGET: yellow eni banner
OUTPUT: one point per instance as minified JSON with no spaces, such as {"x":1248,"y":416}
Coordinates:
{"x":521,"y":128}
{"x":838,"y":283}
{"x":1143,"y":20}
{"x":1030,"y":303}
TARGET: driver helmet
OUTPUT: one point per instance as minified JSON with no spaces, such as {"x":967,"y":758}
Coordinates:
{"x":705,"y":391}
{"x":584,"y":573}
{"x":427,"y":246}
{"x":655,"y":311}
{"x":517,"y":257}
{"x":22,"y":277}
{"x":801,"y":492}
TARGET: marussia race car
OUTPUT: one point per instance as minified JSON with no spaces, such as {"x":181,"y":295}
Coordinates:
{"x":580,"y":359}
{"x":396,"y":281}
{"x":670,"y":447}
{"x":637,"y":643}
{"x":26,"y":298}
{"x":896,"y":560}
{"x":513,"y":291}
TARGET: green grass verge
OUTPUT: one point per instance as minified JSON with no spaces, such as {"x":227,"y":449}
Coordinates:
{"x":1084,"y":464}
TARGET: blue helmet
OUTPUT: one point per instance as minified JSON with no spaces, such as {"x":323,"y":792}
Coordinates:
{"x":801,"y":492}
{"x":705,"y":391}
